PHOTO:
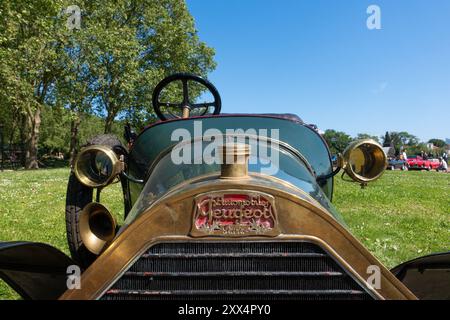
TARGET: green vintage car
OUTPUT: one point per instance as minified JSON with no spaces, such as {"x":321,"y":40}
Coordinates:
{"x":217,"y":206}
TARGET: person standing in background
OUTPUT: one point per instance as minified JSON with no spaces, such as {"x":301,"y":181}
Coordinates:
{"x":405,"y":159}
{"x":443,"y":165}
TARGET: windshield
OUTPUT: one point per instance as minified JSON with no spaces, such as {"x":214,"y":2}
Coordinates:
{"x":168,"y":173}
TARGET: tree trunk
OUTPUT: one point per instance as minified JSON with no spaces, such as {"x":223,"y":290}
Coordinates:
{"x":73,"y":139}
{"x":23,"y":140}
{"x":11,"y":134}
{"x":109,"y":122}
{"x":33,"y":139}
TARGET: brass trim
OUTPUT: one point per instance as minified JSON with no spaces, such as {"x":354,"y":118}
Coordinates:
{"x":167,"y":220}
{"x":117,"y":166}
{"x":234,"y":160}
{"x":92,"y":232}
{"x":282,"y":238}
{"x":238,"y":229}
{"x":254,"y":178}
{"x":379,"y":159}
{"x":186,"y":111}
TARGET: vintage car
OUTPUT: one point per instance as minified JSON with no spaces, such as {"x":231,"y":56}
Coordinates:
{"x":231,"y":206}
{"x":418,"y":163}
{"x":397,"y":164}
{"x":435,"y":164}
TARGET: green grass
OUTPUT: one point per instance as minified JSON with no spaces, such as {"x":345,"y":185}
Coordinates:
{"x":401,"y":216}
{"x":32,"y":208}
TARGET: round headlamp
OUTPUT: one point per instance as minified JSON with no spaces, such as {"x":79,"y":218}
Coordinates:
{"x":364,"y":160}
{"x":97,"y":166}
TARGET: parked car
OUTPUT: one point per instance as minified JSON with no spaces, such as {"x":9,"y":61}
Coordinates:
{"x":397,"y":164}
{"x":418,"y":163}
{"x":226,"y":229}
{"x":435,"y":164}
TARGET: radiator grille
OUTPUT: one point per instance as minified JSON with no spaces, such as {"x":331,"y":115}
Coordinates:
{"x":235,"y":270}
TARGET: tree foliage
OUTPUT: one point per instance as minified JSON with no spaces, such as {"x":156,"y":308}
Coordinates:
{"x":438,"y":143}
{"x":55,"y":75}
{"x":400,"y":140}
{"x":29,"y":46}
{"x":387,"y":141}
{"x":362,"y":136}
{"x":337,"y":141}
{"x":129,"y":46}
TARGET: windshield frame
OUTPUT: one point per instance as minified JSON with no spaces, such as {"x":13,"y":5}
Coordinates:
{"x":273,"y":142}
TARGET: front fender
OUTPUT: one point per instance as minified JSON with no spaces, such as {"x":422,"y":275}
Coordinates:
{"x":427,"y":277}
{"x":34,"y":270}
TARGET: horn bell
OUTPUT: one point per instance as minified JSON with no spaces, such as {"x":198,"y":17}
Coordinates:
{"x":97,"y":227}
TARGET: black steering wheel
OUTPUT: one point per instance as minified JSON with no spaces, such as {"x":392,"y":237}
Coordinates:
{"x":186,"y":106}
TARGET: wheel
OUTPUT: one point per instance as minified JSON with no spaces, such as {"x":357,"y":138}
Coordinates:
{"x":77,"y":197}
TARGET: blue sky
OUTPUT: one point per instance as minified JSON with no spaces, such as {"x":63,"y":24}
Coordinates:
{"x":319,"y":60}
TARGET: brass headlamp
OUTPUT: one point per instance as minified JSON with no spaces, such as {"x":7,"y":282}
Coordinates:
{"x":97,"y":166}
{"x":363,"y":160}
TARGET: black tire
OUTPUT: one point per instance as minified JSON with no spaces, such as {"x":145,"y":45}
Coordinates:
{"x":77,"y":197}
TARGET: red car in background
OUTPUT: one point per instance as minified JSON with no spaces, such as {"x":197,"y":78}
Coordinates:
{"x":417,"y":162}
{"x":435,"y":164}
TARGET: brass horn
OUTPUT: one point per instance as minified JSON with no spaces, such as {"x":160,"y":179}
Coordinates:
{"x":364,"y":160}
{"x":97,"y":227}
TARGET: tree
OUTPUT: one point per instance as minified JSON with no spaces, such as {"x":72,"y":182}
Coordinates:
{"x":337,"y":141}
{"x":130,"y":45}
{"x":54,"y":134}
{"x":362,"y":136}
{"x":387,"y":141}
{"x":107,"y":68}
{"x":122,"y":50}
{"x":75,"y":91}
{"x":400,"y":140}
{"x":28,"y":51}
{"x":438,"y":143}
{"x":417,"y":149}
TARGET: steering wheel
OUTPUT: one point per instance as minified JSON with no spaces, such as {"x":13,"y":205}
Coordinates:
{"x":186,"y":106}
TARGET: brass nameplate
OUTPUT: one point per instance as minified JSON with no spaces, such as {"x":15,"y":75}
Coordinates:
{"x":235,"y":214}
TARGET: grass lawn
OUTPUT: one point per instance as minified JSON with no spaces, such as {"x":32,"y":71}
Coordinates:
{"x":401,"y":216}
